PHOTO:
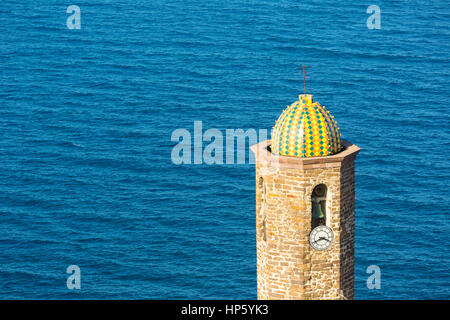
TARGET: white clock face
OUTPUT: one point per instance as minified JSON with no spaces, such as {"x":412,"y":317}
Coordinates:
{"x":321,"y":238}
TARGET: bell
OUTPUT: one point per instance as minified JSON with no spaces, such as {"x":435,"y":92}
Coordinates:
{"x":319,"y":191}
{"x":317,"y":210}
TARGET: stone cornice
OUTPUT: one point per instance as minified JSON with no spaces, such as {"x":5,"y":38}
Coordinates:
{"x":264,"y":156}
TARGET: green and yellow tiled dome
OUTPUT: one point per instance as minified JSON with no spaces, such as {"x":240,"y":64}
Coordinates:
{"x":306,"y":129}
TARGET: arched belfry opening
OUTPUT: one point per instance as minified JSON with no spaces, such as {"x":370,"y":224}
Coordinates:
{"x":262,"y":187}
{"x":319,"y":206}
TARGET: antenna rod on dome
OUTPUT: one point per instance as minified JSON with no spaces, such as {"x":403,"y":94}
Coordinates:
{"x":303,"y":68}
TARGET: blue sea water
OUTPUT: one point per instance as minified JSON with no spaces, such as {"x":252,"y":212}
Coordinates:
{"x":86,"y":176}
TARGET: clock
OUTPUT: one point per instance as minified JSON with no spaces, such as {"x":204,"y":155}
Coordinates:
{"x":321,"y":238}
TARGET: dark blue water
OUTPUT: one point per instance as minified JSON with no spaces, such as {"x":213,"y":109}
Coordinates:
{"x":86,"y":176}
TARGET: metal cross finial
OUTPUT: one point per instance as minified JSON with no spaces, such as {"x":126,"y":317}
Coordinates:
{"x":303,"y":68}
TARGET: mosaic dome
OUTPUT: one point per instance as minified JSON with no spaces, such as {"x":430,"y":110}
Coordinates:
{"x":306,"y":129}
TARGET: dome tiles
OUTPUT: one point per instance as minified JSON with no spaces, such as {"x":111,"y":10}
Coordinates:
{"x":306,"y":129}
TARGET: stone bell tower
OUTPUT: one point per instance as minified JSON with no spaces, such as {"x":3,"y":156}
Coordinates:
{"x":305,"y":207}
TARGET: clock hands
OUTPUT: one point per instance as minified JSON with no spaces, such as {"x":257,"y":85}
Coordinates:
{"x":322,"y":238}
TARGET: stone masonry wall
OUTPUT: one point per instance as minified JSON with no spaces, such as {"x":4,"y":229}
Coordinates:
{"x":347,"y":245}
{"x":287,"y":266}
